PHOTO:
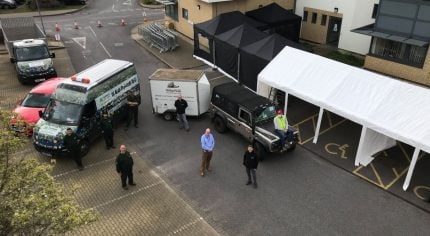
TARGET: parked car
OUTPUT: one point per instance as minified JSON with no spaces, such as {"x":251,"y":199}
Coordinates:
{"x":36,"y":100}
{"x":7,"y":4}
{"x":249,"y":114}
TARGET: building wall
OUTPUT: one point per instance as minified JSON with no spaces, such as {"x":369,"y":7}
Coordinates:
{"x":208,"y":11}
{"x":418,"y":75}
{"x":355,"y":13}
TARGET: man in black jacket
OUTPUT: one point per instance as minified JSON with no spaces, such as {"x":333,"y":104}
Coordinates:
{"x":124,"y":166}
{"x":250,"y":161}
{"x":107,"y":129}
{"x":71,"y":144}
{"x":133,"y":102}
{"x":181,"y":105}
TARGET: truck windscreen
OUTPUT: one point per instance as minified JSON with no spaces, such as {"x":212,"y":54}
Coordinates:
{"x":31,"y":53}
{"x":267,"y":113}
{"x":63,"y":113}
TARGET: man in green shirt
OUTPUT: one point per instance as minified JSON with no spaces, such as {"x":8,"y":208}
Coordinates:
{"x":71,"y":144}
{"x":107,"y":129}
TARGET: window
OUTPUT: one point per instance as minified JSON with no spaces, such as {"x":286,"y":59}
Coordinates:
{"x":314,"y":18}
{"x":244,"y":116}
{"x":305,"y":16}
{"x":324,"y":20}
{"x":185,"y":13}
{"x":172,"y":11}
{"x":375,"y":11}
{"x":398,"y":52}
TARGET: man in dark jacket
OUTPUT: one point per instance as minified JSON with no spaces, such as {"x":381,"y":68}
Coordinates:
{"x":133,"y":102}
{"x":71,"y":144}
{"x":124,"y":166}
{"x":107,"y":129}
{"x":250,"y":161}
{"x":181,"y":105}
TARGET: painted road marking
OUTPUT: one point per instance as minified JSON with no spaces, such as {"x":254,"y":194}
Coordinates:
{"x":118,"y":44}
{"x":69,"y":41}
{"x":334,"y":148}
{"x":127,"y":2}
{"x":418,"y":194}
{"x":107,"y":52}
{"x":94,"y":33}
{"x":81,"y":41}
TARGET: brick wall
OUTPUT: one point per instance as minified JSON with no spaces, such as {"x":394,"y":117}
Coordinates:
{"x":418,"y":75}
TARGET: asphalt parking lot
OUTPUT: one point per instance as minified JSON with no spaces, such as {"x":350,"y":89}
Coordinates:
{"x":338,"y":142}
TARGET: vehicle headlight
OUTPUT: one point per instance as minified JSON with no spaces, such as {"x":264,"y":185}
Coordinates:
{"x":47,"y":65}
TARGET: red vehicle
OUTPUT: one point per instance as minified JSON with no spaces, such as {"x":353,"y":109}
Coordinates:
{"x":36,"y":100}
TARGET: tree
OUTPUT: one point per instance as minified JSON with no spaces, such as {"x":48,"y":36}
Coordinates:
{"x":32,"y":202}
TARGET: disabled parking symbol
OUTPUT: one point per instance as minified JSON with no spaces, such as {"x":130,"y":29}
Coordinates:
{"x":337,"y":149}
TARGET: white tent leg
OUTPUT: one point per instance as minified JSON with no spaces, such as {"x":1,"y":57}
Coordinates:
{"x":285,"y":103}
{"x":360,"y":146}
{"x":411,"y":168}
{"x":317,"y":129}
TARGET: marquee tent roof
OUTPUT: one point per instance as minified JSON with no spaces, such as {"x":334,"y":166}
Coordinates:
{"x":394,"y":108}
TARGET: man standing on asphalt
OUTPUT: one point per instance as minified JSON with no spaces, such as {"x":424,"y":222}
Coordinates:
{"x":107,"y":129}
{"x":133,"y":102}
{"x":250,"y":161}
{"x":71,"y":143}
{"x":181,"y":105}
{"x":124,"y":166}
{"x":208,"y":144}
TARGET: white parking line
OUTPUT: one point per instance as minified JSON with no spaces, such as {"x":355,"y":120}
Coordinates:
{"x":127,"y":195}
{"x":186,"y":226}
{"x":107,"y":52}
{"x":95,"y":35}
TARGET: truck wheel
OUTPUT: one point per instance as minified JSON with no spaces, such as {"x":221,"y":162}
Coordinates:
{"x":220,"y":125}
{"x":84,"y":147}
{"x":168,"y":116}
{"x":292,"y":147}
{"x":259,"y":151}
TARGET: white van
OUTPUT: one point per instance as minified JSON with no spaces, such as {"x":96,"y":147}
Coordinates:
{"x":78,"y":102}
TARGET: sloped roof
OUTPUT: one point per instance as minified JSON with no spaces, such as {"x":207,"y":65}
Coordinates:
{"x":273,"y":14}
{"x":241,"y":35}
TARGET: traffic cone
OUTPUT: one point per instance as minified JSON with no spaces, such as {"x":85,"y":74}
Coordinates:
{"x":99,"y":24}
{"x":76,"y":25}
{"x":57,"y":28}
{"x":123,"y":22}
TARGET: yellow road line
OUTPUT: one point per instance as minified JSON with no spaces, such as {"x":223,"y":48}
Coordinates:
{"x":396,"y":179}
{"x":395,"y":172}
{"x":365,"y":178}
{"x":305,"y":120}
{"x":376,"y":174}
{"x":313,"y":124}
{"x":404,"y":151}
{"x":329,"y":119}
{"x":324,"y":131}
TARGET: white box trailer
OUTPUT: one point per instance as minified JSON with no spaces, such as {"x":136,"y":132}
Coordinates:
{"x":167,"y":84}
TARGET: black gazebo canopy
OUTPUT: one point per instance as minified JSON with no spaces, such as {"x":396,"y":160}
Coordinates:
{"x":254,"y":57}
{"x":278,"y":20}
{"x":218,"y":25}
{"x":228,"y":43}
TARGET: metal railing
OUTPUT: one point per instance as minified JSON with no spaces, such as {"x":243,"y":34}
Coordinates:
{"x":159,"y":37}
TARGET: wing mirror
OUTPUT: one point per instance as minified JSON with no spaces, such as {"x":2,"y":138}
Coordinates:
{"x":52,"y":55}
{"x":40,"y":114}
{"x":12,"y":60}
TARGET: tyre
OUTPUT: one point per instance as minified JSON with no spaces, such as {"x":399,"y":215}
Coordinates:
{"x":292,"y":147}
{"x":220,"y":125}
{"x":84,"y":147}
{"x":168,"y":116}
{"x":259,"y":151}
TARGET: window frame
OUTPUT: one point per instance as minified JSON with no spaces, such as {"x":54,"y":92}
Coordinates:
{"x":242,"y":111}
{"x":185,"y":14}
{"x":375,"y":10}
{"x":314,"y":18}
{"x":324,"y":20}
{"x":305,"y":16}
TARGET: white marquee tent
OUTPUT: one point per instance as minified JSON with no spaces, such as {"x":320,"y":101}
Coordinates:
{"x":388,"y":109}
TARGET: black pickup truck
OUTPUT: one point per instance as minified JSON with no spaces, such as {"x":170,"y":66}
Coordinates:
{"x":249,"y":114}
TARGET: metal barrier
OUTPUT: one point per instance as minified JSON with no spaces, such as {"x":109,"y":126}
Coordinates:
{"x":159,"y":36}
